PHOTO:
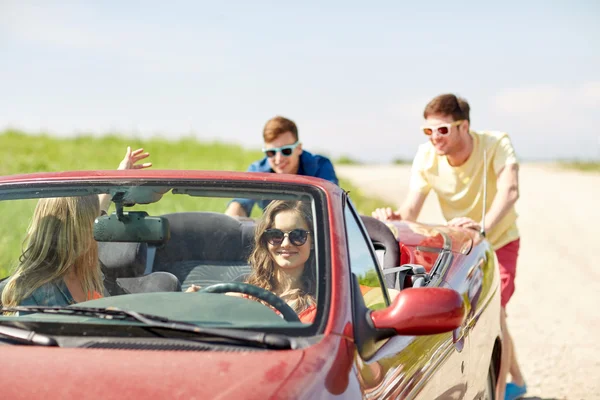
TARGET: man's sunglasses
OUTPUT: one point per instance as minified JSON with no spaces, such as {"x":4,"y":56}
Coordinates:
{"x":442,"y":129}
{"x":275,"y":237}
{"x":285,"y":150}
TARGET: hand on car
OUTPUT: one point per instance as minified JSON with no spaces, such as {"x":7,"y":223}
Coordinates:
{"x":131,"y":159}
{"x":386,"y":214}
{"x":465,"y":222}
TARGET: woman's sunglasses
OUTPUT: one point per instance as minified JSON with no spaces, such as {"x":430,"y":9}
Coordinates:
{"x":442,"y":129}
{"x":275,"y":237}
{"x":285,"y":150}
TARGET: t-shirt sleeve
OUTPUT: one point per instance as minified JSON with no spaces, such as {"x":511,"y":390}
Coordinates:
{"x":253,"y":167}
{"x":504,"y":154}
{"x":247,"y":204}
{"x":418,"y":178}
{"x":326,"y":171}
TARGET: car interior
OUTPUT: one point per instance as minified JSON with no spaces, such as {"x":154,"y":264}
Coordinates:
{"x":206,"y":248}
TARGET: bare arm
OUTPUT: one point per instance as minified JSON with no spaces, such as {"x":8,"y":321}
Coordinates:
{"x":412,"y":206}
{"x":104,"y":201}
{"x":235,"y":209}
{"x":506,"y":197}
{"x":409,"y":211}
{"x":129,"y":162}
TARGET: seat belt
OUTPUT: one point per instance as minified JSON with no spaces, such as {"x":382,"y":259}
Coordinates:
{"x":404,"y":271}
{"x":150,"y":253}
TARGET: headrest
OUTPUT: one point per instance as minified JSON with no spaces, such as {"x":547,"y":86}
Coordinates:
{"x":382,"y":237}
{"x":122,"y":259}
{"x":207,"y":236}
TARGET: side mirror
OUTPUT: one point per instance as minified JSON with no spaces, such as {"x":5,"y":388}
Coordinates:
{"x":421,"y":311}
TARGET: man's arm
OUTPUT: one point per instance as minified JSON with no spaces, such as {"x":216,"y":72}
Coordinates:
{"x":235,"y":209}
{"x":412,"y":206}
{"x":506,"y":196}
{"x":129,"y":162}
{"x":409,"y":211}
{"x":243,"y":207}
{"x":326,"y":171}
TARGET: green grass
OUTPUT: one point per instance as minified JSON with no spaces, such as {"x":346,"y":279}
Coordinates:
{"x":347,"y":160}
{"x":24,"y":153}
{"x":401,"y":161}
{"x":586,"y":166}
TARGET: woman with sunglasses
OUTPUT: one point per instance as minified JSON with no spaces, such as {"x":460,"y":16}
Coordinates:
{"x":283,"y":259}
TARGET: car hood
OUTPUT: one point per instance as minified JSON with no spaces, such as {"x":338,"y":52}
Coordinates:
{"x":72,"y":373}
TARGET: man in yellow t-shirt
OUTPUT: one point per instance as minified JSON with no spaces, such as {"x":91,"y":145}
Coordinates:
{"x":451,"y":163}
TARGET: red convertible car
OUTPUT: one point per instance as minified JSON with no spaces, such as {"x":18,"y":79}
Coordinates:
{"x":396,"y":310}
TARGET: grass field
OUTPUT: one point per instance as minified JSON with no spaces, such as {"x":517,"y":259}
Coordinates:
{"x":586,"y":166}
{"x":23,"y":153}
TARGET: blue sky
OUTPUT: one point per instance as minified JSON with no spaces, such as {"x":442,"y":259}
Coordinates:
{"x":355,"y":77}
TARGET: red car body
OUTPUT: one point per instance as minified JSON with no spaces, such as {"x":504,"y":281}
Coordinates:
{"x":407,"y":363}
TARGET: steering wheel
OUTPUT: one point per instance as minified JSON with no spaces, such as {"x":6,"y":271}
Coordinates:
{"x":262,"y":294}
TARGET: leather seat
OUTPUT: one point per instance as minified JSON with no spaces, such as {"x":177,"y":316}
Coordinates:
{"x":205,"y":248}
{"x":384,"y":241}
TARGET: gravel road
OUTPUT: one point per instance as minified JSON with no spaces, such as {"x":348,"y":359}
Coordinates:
{"x":554,"y":314}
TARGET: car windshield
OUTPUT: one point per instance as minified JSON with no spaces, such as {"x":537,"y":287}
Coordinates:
{"x":164,"y":248}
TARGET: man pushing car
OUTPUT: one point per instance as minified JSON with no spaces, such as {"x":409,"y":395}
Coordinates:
{"x":283,"y":155}
{"x":451,"y":163}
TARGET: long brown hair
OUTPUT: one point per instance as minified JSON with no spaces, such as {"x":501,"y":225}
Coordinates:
{"x":60,"y":238}
{"x":263,"y":266}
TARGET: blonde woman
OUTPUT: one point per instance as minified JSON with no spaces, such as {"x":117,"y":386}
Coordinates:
{"x":283,"y":259}
{"x":59,"y":264}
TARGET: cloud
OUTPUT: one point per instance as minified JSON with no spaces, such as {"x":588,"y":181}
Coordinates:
{"x":409,"y":109}
{"x":589,"y":94}
{"x":131,"y":42}
{"x":550,"y":121}
{"x":547,"y":99}
{"x":51,"y":25}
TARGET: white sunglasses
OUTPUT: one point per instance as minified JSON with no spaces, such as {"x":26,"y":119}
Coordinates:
{"x":442,"y":129}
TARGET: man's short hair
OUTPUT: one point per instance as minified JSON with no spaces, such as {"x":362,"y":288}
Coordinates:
{"x":448,"y":104}
{"x":277,"y":126}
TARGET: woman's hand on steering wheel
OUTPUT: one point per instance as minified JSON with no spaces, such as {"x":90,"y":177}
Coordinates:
{"x":262,"y":294}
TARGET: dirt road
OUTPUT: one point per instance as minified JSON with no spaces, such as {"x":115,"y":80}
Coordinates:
{"x":554,"y":314}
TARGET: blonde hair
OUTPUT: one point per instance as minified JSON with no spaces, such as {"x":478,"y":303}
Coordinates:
{"x":59,"y":239}
{"x":263,"y":267}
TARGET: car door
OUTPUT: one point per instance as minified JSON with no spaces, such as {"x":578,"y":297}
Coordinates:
{"x":473,"y":276}
{"x":404,"y":366}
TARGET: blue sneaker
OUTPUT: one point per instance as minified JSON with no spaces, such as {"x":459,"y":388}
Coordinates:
{"x":514,"y":391}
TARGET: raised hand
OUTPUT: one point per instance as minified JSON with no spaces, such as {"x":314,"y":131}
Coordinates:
{"x":131,"y":159}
